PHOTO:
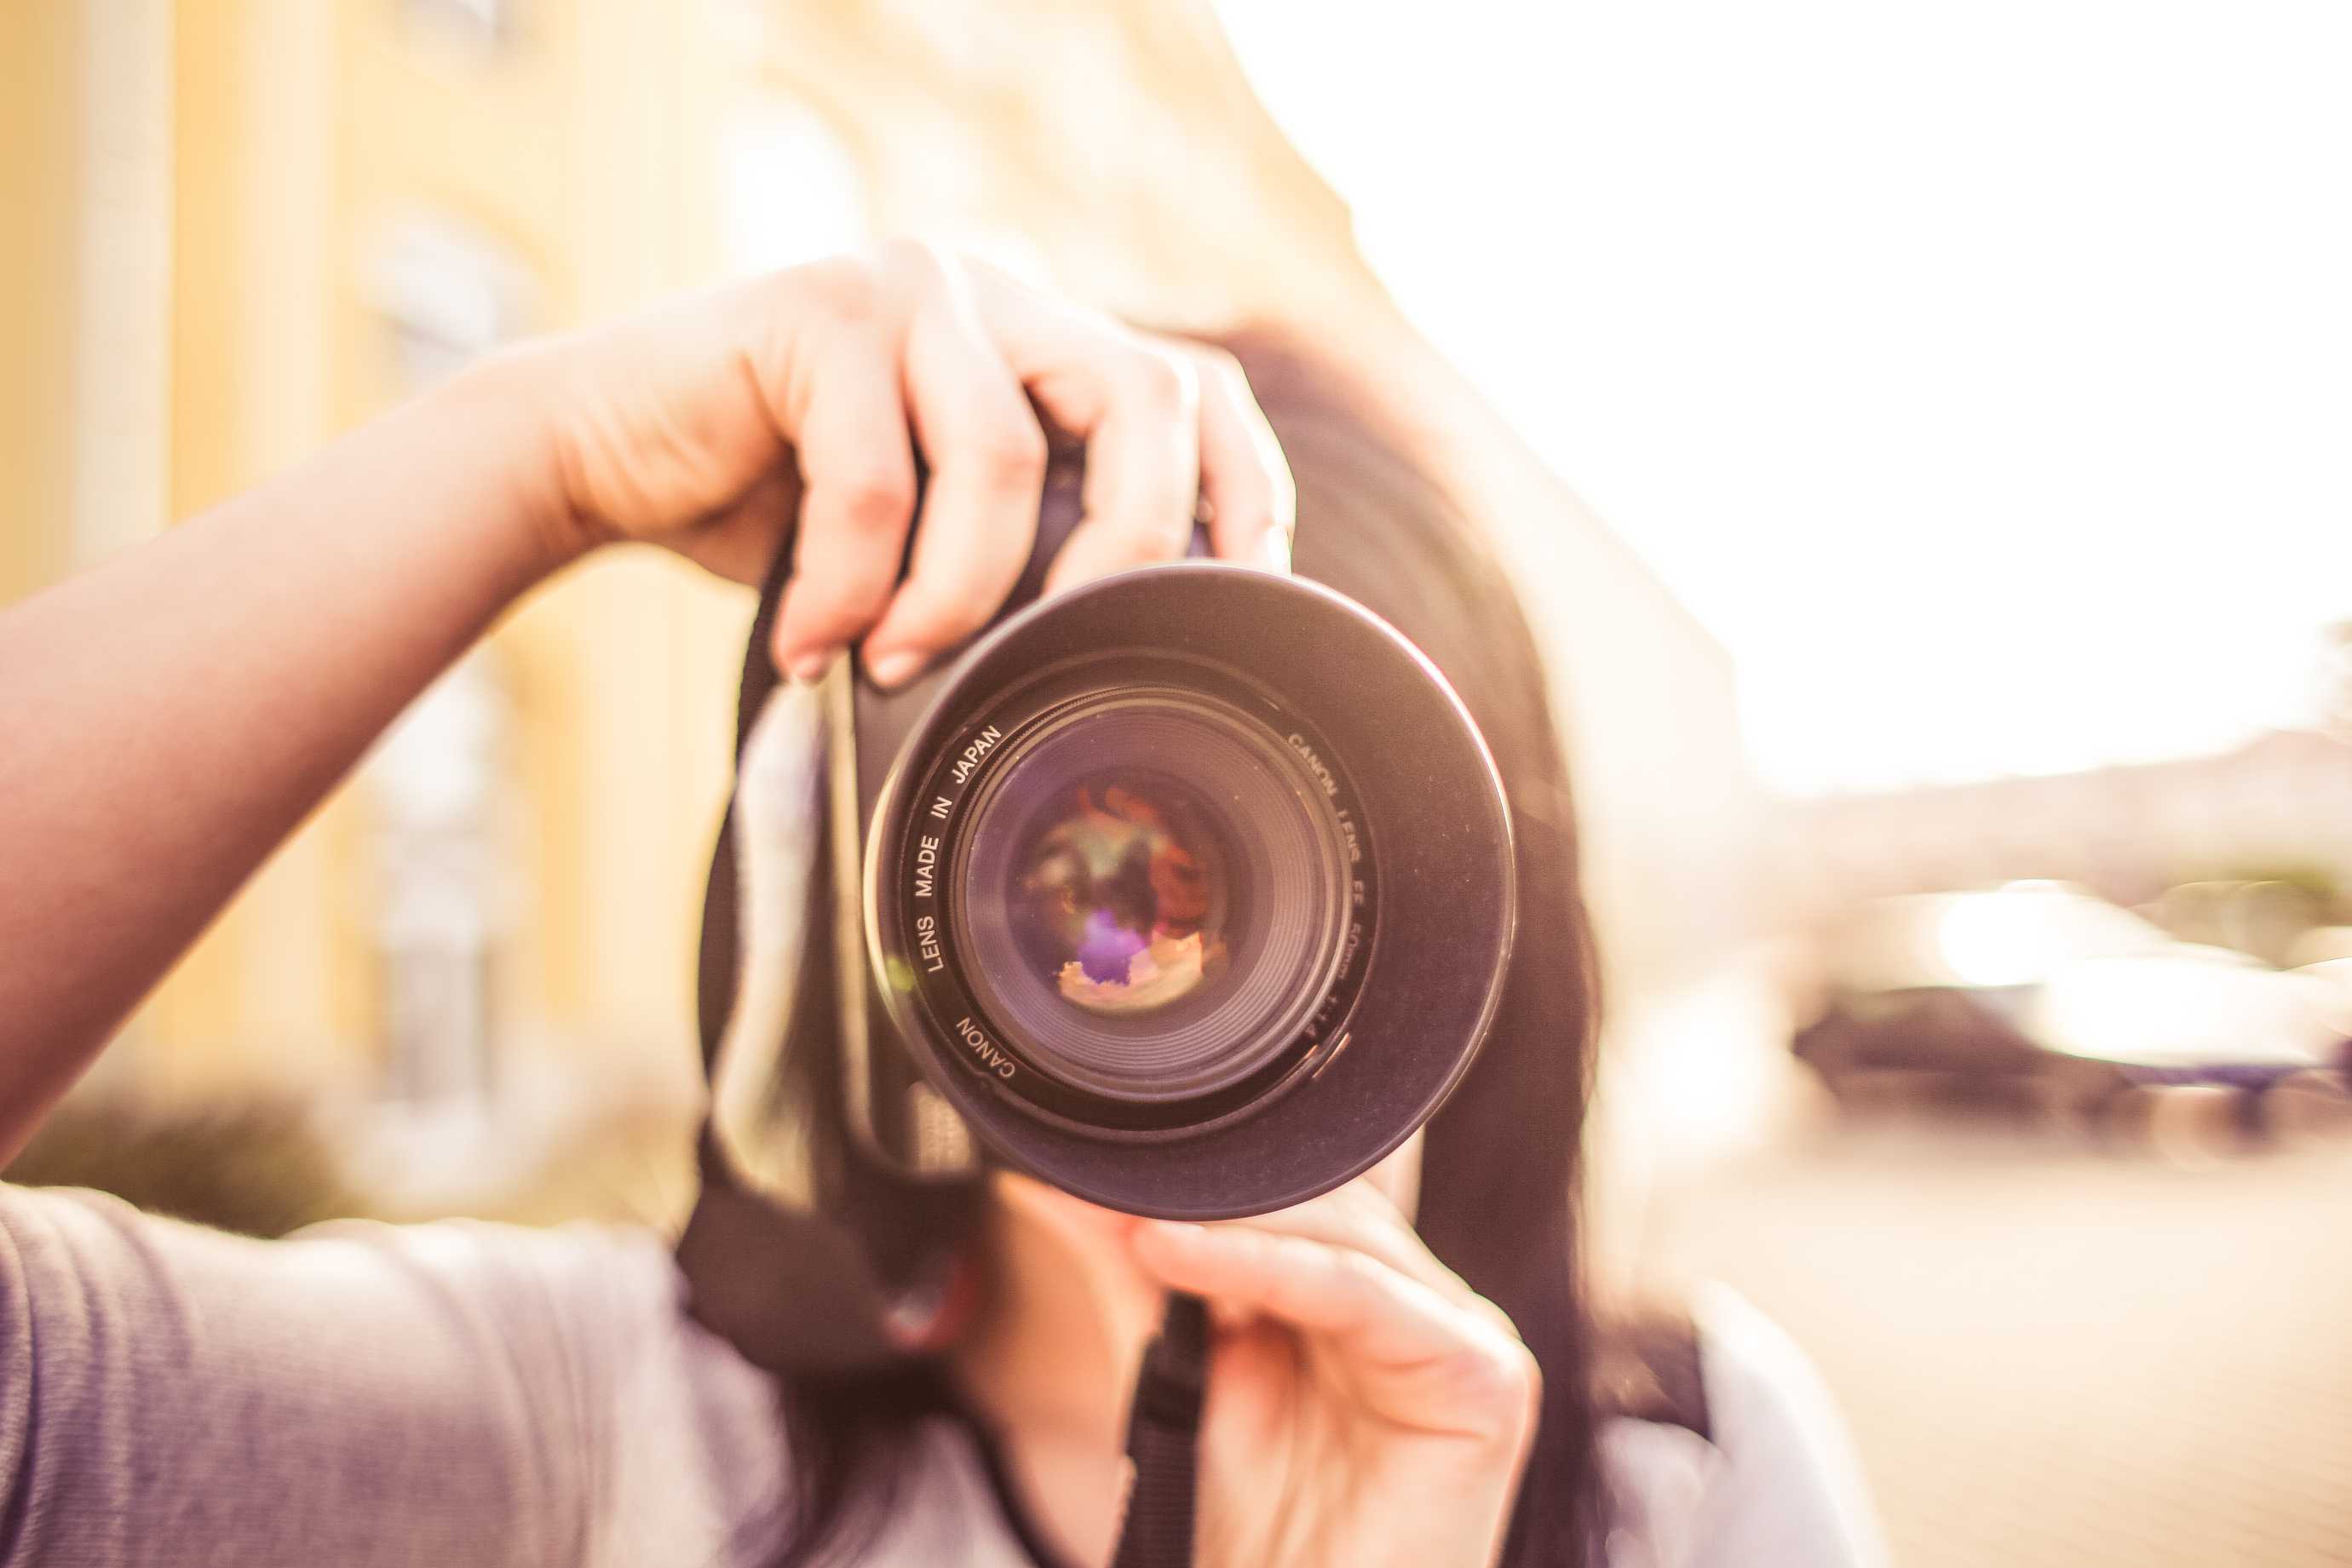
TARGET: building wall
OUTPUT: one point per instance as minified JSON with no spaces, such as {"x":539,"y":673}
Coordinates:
{"x":299,"y":141}
{"x":40,"y":124}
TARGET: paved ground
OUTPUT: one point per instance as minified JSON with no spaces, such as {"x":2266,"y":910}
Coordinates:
{"x":2054,"y":1355}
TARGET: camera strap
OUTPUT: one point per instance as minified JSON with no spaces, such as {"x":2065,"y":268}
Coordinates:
{"x":1163,"y":1432}
{"x":794,"y":1291}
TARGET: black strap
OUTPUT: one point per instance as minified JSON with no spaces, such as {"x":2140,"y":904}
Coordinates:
{"x":1163,"y":1432}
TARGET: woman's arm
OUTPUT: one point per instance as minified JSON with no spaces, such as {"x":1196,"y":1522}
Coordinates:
{"x":171,"y":715}
{"x":166,"y":720}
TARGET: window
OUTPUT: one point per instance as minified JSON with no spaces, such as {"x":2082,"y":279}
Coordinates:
{"x":446,"y":294}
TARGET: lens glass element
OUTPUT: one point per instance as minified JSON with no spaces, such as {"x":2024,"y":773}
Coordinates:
{"x":1119,"y":897}
{"x":1152,"y":899}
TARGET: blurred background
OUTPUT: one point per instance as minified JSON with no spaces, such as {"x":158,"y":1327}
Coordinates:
{"x":1955,"y":647}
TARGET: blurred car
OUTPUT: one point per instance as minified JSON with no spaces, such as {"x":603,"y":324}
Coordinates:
{"x":2042,"y":993}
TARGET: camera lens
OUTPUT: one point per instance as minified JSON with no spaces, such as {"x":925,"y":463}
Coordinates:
{"x":1188,"y":890}
{"x":1152,"y":895}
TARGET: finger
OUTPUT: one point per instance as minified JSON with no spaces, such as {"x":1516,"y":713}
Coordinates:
{"x":1253,"y":503}
{"x":859,"y":473}
{"x":1412,"y":1355}
{"x":1136,"y":405}
{"x":1375,"y":1314}
{"x":979,"y":517}
{"x":1141,"y":420}
{"x":1358,"y":1216}
{"x":1230,"y":1317}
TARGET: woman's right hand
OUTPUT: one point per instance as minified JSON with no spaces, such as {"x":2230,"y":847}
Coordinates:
{"x":710,"y":426}
{"x":1365,"y":1407}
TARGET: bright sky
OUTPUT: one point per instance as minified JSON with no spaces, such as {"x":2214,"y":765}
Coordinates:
{"x":1980,"y":375}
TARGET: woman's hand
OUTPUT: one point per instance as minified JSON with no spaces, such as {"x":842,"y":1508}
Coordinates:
{"x":710,"y":426}
{"x":1364,"y":1406}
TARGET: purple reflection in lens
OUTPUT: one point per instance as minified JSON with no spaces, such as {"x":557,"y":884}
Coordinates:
{"x":1108,"y":947}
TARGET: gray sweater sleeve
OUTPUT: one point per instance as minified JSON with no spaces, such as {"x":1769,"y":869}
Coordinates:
{"x":449,"y":1394}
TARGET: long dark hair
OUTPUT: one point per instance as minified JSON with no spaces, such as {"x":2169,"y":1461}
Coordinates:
{"x":1500,"y":1168}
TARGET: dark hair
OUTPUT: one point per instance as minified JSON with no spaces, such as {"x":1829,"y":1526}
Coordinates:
{"x":1499,"y":1175}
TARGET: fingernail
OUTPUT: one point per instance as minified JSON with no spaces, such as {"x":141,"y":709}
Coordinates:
{"x":1273,"y":550}
{"x":892,"y":668}
{"x":810,"y":668}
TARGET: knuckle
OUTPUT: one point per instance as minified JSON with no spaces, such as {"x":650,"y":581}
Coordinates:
{"x":877,"y":499}
{"x":1220,"y":363}
{"x":1162,"y":384}
{"x":1376,"y":1206}
{"x":922,"y":271}
{"x":1360,"y":1270}
{"x":1297,"y":1266}
{"x":1334,"y":1207}
{"x":848,"y":287}
{"x":1010,"y":453}
{"x":1223,"y":376}
{"x":1291,"y":1254}
{"x":1369,"y":1287}
{"x":1495,"y":1316}
{"x":1139,"y":542}
{"x":1496,"y":1377}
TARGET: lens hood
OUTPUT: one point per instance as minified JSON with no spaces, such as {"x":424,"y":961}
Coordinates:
{"x":1367,"y":846}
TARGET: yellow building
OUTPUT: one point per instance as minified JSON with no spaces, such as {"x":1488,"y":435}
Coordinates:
{"x":234,"y":227}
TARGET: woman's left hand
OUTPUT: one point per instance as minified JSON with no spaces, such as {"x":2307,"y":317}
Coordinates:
{"x":795,"y":406}
{"x":1364,"y":1405}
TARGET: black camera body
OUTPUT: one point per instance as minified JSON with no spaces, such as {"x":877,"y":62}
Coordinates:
{"x":1188,"y":890}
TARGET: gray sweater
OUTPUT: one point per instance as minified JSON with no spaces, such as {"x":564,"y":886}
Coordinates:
{"x":455,"y":1394}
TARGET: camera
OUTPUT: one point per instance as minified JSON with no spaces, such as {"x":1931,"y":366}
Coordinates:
{"x":1188,"y":890}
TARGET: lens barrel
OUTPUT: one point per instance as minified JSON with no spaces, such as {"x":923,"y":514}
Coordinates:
{"x":1191,"y":890}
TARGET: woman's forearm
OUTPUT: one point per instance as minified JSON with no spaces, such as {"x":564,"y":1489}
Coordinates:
{"x":168,"y":718}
